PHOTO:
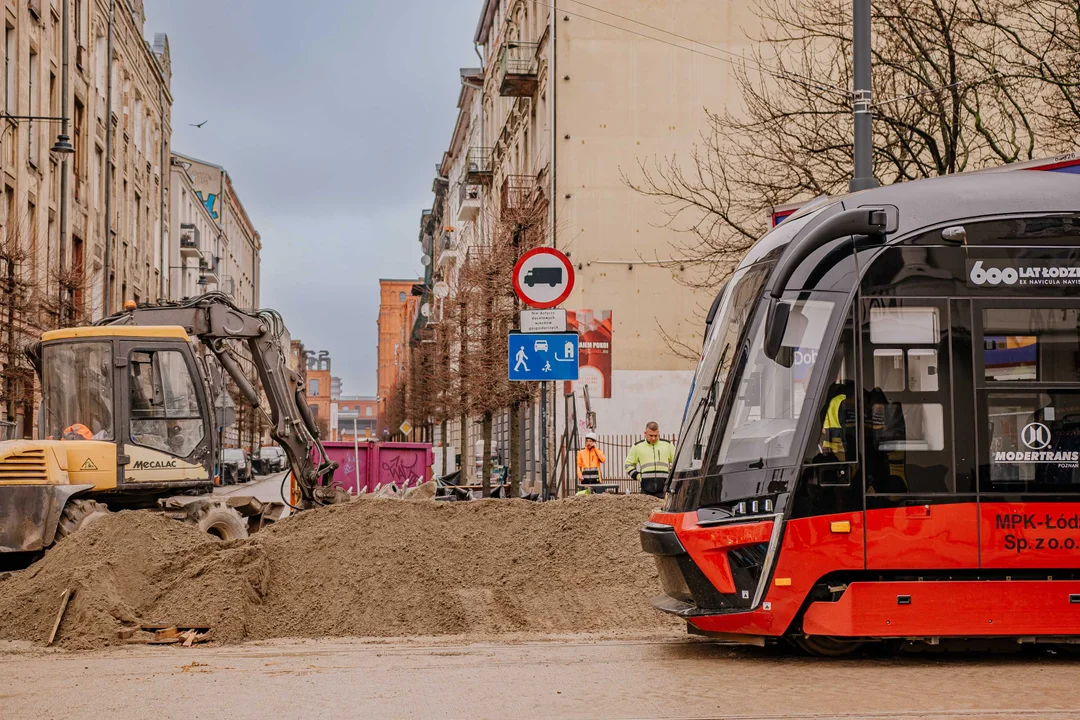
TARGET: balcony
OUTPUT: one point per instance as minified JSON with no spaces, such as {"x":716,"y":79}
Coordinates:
{"x":468,"y":202}
{"x":478,"y":166}
{"x":517,"y":69}
{"x":189,"y":242}
{"x":518,"y":192}
{"x":209,"y":269}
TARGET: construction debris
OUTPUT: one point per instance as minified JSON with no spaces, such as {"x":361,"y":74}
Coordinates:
{"x":65,"y":598}
{"x":365,"y":568}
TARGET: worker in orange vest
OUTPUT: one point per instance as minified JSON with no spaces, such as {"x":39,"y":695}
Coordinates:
{"x":589,"y":460}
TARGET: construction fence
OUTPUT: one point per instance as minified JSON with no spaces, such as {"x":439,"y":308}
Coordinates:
{"x":613,"y":471}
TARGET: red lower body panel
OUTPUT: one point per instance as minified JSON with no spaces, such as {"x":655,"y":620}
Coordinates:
{"x":970,"y":608}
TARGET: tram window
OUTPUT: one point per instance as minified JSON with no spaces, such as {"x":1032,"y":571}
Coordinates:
{"x":908,"y":426}
{"x":1031,"y":344}
{"x":769,"y":398}
{"x":1034,"y":441}
{"x":906,"y":395}
{"x":904,"y":325}
{"x":838,"y":419}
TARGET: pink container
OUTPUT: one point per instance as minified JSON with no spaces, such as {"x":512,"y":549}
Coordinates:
{"x":379,"y":463}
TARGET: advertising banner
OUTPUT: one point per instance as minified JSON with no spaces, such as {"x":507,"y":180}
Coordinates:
{"x":594,"y":331}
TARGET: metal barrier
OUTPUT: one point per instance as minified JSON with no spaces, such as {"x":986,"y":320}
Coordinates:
{"x":613,"y":471}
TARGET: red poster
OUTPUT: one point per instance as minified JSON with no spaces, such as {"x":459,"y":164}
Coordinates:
{"x":594,"y":336}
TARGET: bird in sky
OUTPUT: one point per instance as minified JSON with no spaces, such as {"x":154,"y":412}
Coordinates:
{"x":199,"y":125}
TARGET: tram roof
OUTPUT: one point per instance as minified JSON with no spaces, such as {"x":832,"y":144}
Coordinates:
{"x":956,"y":198}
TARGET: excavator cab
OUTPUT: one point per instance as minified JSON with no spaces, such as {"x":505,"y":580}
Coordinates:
{"x":140,"y":390}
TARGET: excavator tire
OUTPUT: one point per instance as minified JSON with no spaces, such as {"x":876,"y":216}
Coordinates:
{"x":221,"y":521}
{"x":77,"y":515}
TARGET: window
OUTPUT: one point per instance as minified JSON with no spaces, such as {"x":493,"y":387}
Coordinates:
{"x":906,"y":398}
{"x":35,"y":107}
{"x":367,"y":411}
{"x":1034,"y":441}
{"x":837,"y":421}
{"x":10,"y":51}
{"x":1031,"y":344}
{"x":77,"y":390}
{"x":164,"y":407}
{"x":401,"y":297}
{"x":99,"y":177}
{"x":313,"y":388}
{"x":77,"y":159}
{"x":770,"y":395}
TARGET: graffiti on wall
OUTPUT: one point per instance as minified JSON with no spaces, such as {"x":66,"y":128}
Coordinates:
{"x":210,"y":201}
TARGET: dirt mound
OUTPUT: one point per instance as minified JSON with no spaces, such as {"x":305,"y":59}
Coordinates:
{"x":373,"y":567}
{"x":111,"y":566}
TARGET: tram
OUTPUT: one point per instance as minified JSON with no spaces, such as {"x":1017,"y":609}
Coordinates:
{"x":882,"y":441}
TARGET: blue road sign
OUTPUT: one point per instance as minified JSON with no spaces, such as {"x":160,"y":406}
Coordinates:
{"x":547,"y":356}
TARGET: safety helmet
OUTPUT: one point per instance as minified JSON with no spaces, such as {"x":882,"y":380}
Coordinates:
{"x":590,"y":436}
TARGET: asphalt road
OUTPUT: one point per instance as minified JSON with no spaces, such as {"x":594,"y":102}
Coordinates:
{"x":576,"y":677}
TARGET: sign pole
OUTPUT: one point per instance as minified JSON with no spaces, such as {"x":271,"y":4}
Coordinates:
{"x":543,"y":441}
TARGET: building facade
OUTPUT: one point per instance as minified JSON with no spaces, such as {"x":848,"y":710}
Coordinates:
{"x":194,"y":238}
{"x":87,"y":230}
{"x":398,"y":307}
{"x":319,"y":385}
{"x":569,"y":100}
{"x":357,"y":417}
{"x":231,"y":258}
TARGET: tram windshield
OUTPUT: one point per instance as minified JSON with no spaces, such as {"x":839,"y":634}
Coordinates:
{"x":768,"y":400}
{"x":741,"y":296}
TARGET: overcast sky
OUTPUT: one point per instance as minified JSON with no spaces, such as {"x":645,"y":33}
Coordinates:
{"x":330,"y":116}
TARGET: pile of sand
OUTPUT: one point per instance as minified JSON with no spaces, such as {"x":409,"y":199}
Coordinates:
{"x":373,"y":567}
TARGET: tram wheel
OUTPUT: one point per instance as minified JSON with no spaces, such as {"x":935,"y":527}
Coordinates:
{"x":826,"y":646}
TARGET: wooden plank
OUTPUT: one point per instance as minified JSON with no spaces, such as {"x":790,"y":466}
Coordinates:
{"x":125,"y":633}
{"x":65,"y":598}
{"x":189,"y":638}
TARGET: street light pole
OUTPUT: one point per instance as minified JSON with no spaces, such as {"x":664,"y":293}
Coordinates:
{"x":65,"y":84}
{"x":108,"y":162}
{"x":862,"y":99}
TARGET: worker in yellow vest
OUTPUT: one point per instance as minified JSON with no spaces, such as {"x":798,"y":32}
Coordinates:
{"x":650,"y":461}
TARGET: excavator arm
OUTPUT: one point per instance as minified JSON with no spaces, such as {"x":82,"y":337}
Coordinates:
{"x":214,"y":319}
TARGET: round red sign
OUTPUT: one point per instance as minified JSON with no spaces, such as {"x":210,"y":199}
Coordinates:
{"x":543,"y":277}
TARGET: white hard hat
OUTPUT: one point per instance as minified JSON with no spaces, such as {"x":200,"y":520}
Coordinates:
{"x":590,"y":436}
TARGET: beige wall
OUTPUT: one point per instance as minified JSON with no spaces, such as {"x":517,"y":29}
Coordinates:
{"x":630,"y":99}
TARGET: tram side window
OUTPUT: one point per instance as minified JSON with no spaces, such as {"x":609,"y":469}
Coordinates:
{"x":906,"y":400}
{"x":838,"y":419}
{"x":1034,"y":441}
{"x":1031,"y":344}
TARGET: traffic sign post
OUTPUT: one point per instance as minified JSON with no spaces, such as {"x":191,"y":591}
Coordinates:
{"x":543,"y":277}
{"x":548,"y":356}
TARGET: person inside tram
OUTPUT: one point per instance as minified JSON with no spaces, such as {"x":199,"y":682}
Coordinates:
{"x":886,"y":470}
{"x":838,"y":423}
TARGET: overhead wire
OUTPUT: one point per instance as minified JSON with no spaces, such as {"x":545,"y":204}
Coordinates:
{"x":735,"y":60}
{"x":779,"y":74}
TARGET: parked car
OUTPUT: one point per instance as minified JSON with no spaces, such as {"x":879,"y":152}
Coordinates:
{"x":235,"y":466}
{"x":270,"y":459}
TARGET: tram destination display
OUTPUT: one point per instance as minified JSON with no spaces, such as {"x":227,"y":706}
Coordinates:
{"x":1005,"y":273}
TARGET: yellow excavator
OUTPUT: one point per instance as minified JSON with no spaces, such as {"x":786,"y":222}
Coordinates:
{"x":127,"y":422}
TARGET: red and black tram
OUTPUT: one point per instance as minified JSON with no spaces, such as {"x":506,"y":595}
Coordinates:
{"x":883,"y":436}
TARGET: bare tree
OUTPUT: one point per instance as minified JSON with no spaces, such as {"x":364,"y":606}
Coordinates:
{"x":943,"y":104}
{"x":1039,"y":42}
{"x":461,"y":371}
{"x":34,"y":299}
